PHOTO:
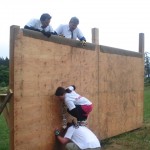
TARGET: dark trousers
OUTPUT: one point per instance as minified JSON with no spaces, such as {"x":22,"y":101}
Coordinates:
{"x":78,"y":113}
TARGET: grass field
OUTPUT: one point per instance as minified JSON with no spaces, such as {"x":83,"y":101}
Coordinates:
{"x":4,"y":134}
{"x":136,"y":140}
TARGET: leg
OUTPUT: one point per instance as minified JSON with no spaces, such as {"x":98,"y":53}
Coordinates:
{"x":72,"y":146}
{"x":78,"y":113}
{"x":98,"y":148}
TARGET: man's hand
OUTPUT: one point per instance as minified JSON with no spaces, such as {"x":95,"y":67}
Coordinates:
{"x":61,"y":35}
{"x":83,"y":42}
{"x":48,"y":34}
{"x":57,"y":132}
{"x":31,"y":28}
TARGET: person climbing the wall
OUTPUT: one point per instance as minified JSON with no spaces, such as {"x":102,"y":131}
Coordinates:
{"x":41,"y":25}
{"x":77,"y":105}
{"x":76,"y":137}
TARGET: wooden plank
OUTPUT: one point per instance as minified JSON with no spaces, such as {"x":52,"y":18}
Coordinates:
{"x":13,"y":36}
{"x":95,"y":36}
{"x":141,"y":43}
{"x":5,"y":110}
{"x":6,"y":100}
{"x":58,"y":39}
{"x":111,"y":50}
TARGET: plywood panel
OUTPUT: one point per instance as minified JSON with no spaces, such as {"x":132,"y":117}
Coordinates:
{"x":113,"y":82}
{"x":120,"y":87}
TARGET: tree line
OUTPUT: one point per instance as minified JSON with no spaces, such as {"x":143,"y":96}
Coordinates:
{"x":4,"y":70}
{"x":147,"y":67}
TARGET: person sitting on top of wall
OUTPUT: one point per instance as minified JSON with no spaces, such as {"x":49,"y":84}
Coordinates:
{"x":71,"y":30}
{"x":41,"y":25}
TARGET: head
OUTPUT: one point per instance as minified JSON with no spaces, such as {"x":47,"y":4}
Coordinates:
{"x":45,"y":20}
{"x":60,"y":93}
{"x":73,"y":23}
{"x":71,"y":88}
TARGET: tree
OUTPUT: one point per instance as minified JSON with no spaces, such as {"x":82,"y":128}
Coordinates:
{"x":147,"y":66}
{"x":4,"y":72}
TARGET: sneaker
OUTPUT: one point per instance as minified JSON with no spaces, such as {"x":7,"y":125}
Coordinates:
{"x":82,"y":123}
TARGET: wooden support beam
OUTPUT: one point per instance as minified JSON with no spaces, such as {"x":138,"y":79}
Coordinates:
{"x":141,"y":43}
{"x":95,"y":36}
{"x":6,"y":100}
{"x":4,"y":108}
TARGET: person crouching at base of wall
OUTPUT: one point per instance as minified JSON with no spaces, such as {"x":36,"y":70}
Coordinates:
{"x":78,"y":137}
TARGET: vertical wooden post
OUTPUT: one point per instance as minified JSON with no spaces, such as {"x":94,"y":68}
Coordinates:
{"x":141,"y":43}
{"x":95,"y":40}
{"x":141,"y":50}
{"x":95,"y":36}
{"x":14,"y":30}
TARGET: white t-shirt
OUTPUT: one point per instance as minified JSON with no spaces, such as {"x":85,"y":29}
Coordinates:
{"x":72,"y":99}
{"x":65,"y":31}
{"x":82,"y":137}
{"x":36,"y":23}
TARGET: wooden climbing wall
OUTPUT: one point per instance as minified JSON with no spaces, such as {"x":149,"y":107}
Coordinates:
{"x":38,"y":65}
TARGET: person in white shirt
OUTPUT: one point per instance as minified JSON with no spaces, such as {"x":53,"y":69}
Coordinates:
{"x":77,"y":105}
{"x":78,"y":138}
{"x":41,"y":25}
{"x":71,"y":30}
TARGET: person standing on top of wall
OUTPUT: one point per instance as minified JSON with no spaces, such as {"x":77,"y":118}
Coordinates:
{"x":41,"y":25}
{"x":77,"y":105}
{"x":71,"y":30}
{"x":78,"y":137}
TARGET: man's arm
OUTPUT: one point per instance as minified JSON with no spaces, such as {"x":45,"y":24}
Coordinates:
{"x":48,"y":34}
{"x":83,"y":39}
{"x":63,"y":140}
{"x":31,"y":28}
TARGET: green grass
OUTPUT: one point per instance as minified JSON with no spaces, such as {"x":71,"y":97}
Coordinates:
{"x":4,"y":131}
{"x":4,"y":134}
{"x":147,"y":104}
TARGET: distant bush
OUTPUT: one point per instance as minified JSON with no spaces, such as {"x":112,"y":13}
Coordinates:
{"x":4,"y":72}
{"x":3,"y":90}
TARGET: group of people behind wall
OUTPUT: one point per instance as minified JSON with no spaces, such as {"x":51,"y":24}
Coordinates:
{"x":77,"y":135}
{"x":70,"y":30}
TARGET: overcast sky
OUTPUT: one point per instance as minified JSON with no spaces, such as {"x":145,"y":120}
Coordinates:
{"x":119,"y":21}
